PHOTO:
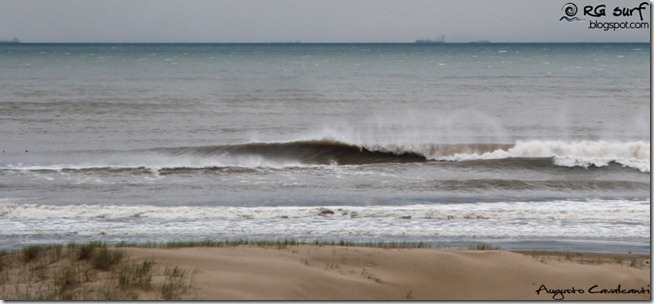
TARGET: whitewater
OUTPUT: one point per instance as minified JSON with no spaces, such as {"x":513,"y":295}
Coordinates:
{"x":522,"y":146}
{"x":634,"y":155}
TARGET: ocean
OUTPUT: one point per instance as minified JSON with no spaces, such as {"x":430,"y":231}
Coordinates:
{"x":521,"y":146}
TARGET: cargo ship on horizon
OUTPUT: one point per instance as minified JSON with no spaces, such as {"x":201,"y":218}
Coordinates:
{"x":427,"y":40}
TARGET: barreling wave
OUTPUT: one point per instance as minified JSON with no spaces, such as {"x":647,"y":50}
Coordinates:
{"x":306,"y":153}
{"x":322,"y":152}
{"x":329,"y":152}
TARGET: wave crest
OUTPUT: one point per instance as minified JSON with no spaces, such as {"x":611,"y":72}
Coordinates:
{"x":310,"y":153}
{"x":571,"y":154}
{"x":329,"y":152}
{"x":319,"y":152}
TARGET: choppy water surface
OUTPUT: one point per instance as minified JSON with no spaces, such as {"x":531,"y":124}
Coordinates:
{"x":527,"y":146}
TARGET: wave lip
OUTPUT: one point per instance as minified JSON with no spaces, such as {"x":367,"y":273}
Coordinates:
{"x":318,"y":152}
{"x":328,"y":152}
{"x":332,"y":152}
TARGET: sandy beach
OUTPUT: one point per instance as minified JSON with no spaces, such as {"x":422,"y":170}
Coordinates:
{"x":359,"y":273}
{"x":316,"y":272}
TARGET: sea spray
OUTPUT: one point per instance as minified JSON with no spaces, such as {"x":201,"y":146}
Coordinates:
{"x":330,"y":152}
{"x":328,"y":126}
{"x":570,"y":154}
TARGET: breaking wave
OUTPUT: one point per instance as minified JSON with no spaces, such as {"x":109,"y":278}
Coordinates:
{"x":328,"y":152}
{"x":570,"y":154}
{"x":323,"y":152}
{"x":307,"y":153}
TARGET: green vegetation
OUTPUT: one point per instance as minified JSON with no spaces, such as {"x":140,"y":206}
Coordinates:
{"x":91,"y":271}
{"x":175,"y":284}
{"x":97,"y":271}
{"x":86,"y":250}
{"x":280,"y":244}
{"x":482,"y":246}
{"x":104,"y":258}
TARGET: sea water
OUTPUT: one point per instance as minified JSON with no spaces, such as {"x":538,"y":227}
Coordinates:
{"x":522,"y":146}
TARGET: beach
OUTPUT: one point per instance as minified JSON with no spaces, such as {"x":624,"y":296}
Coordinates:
{"x":357,"y":273}
{"x":328,"y":272}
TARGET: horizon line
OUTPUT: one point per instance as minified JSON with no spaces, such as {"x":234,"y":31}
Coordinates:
{"x":300,"y":42}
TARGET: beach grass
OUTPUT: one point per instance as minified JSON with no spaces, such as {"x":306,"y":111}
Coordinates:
{"x":483,"y":246}
{"x":74,"y":271}
{"x":129,"y":271}
{"x":93,"y":271}
{"x":280,"y":244}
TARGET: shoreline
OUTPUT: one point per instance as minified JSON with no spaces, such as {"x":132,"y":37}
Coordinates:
{"x":333,"y":272}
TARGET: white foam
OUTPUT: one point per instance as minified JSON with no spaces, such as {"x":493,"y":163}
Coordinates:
{"x":563,"y":209}
{"x":582,"y":219}
{"x":403,"y":138}
{"x":573,"y":154}
{"x":635,"y":154}
{"x":155,"y":163}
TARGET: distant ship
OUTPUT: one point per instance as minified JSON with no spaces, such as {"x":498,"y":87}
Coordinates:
{"x":427,"y":40}
{"x":480,"y":41}
{"x":12,"y":41}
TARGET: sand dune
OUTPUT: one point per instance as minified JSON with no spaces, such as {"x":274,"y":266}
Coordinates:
{"x":359,"y":273}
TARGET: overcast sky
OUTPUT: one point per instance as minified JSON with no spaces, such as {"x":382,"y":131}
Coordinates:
{"x":306,"y":21}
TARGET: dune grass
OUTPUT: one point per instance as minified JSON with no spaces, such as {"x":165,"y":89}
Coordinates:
{"x":99,"y":271}
{"x":280,"y":244}
{"x":93,"y":271}
{"x":483,"y":246}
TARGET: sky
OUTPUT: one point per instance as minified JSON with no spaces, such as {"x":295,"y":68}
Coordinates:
{"x":309,"y":21}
